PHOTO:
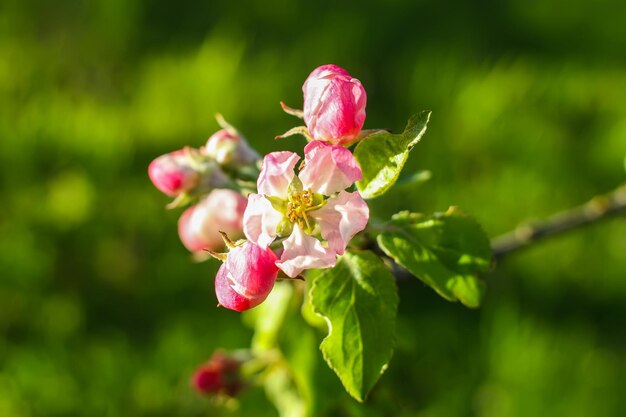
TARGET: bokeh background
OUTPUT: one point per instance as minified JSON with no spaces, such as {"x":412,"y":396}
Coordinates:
{"x":102,"y":312}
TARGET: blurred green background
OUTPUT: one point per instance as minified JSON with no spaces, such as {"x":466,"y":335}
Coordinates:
{"x":102,"y":312}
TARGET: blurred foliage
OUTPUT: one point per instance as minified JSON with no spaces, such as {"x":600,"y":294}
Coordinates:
{"x":102,"y":312}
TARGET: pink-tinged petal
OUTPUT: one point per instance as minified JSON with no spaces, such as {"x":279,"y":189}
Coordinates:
{"x":301,"y":252}
{"x":246,"y":278}
{"x":341,"y":218}
{"x":260,"y":221}
{"x":199,"y":225}
{"x":334,"y":105}
{"x":276,"y":173}
{"x":172,"y":173}
{"x":329,"y":168}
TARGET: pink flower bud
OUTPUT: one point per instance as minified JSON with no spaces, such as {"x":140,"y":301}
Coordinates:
{"x":246,"y":278}
{"x":222,"y":210}
{"x":230,"y":148}
{"x":334,"y":105}
{"x":172,"y":173}
{"x":219,"y":375}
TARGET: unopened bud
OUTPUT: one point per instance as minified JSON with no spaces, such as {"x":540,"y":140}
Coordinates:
{"x":199,"y":226}
{"x":334,"y":105}
{"x":229,"y":147}
{"x":184,"y":171}
{"x":246,"y":278}
{"x":220,"y":375}
{"x":173,"y":174}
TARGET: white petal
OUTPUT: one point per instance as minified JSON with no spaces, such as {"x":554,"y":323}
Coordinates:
{"x":260,"y":221}
{"x":301,"y":252}
{"x":341,"y":218}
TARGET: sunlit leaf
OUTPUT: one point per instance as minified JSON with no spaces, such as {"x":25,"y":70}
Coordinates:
{"x":359,"y":300}
{"x":383,"y":155}
{"x":446,"y":250}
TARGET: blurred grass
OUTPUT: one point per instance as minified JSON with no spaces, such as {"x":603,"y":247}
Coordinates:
{"x":102,"y":311}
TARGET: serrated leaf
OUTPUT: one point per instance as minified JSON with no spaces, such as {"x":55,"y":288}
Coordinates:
{"x":359,"y":300}
{"x":446,"y":250}
{"x":383,"y":155}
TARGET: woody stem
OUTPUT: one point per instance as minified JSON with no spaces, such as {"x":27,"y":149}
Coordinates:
{"x":598,"y":208}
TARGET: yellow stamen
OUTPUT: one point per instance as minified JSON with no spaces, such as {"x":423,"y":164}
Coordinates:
{"x":298,"y":205}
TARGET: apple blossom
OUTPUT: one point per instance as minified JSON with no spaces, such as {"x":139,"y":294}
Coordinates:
{"x":246,"y":277}
{"x":300,"y":208}
{"x":199,"y":225}
{"x":334,"y":105}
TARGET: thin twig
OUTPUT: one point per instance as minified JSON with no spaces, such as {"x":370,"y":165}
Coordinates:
{"x":598,"y":208}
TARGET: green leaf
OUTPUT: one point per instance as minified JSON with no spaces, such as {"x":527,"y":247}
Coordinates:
{"x":446,"y":250}
{"x":383,"y":155}
{"x":359,"y":300}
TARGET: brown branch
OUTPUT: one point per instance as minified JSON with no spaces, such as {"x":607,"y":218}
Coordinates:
{"x":598,"y":208}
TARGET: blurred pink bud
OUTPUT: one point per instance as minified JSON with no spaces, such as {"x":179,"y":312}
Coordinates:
{"x":219,"y":375}
{"x":246,"y":278}
{"x":173,"y":174}
{"x":334,"y":105}
{"x":230,"y":148}
{"x":199,"y":225}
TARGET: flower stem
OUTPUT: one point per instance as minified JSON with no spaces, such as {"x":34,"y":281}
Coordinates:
{"x":598,"y":208}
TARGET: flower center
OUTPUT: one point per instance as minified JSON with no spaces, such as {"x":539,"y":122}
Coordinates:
{"x":298,"y":204}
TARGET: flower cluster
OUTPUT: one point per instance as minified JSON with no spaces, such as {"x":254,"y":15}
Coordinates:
{"x":300,"y":216}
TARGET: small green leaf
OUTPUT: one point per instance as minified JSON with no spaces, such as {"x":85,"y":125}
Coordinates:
{"x":383,"y":155}
{"x":447,"y":251}
{"x":359,"y":300}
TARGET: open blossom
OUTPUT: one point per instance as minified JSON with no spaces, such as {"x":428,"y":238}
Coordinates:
{"x":246,"y":277}
{"x":230,"y":148}
{"x":301,"y":208}
{"x":334,"y":105}
{"x":182,"y":171}
{"x":199,"y":225}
